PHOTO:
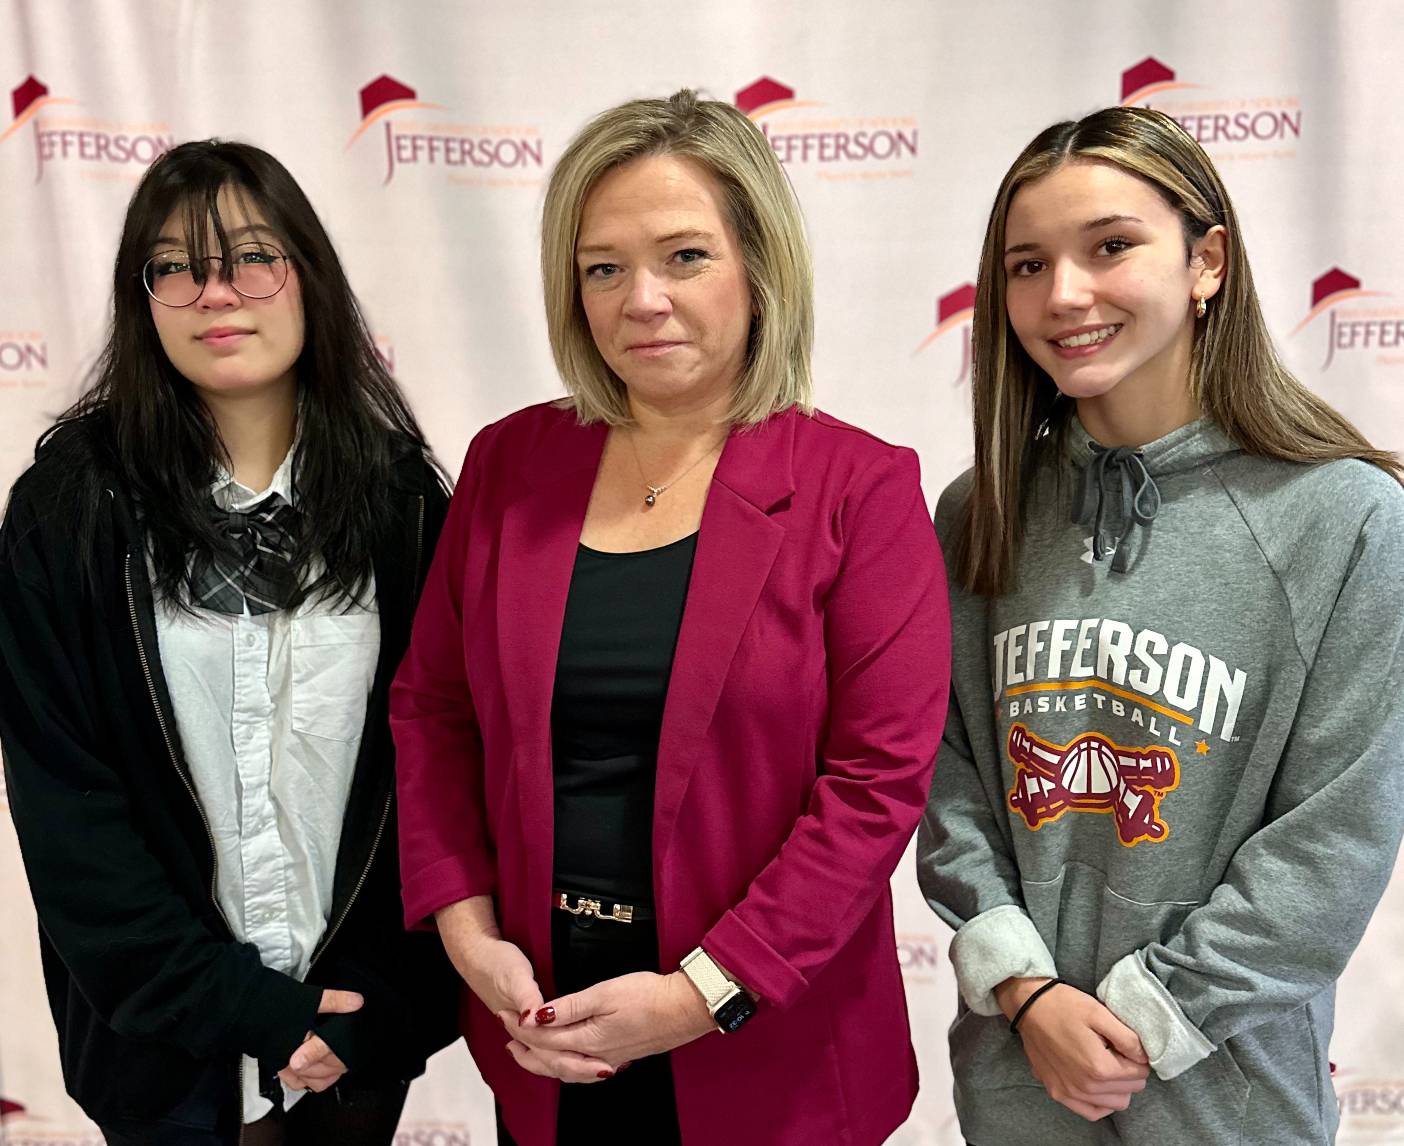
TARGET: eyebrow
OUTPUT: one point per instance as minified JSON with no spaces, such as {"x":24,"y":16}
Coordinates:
{"x":1091,"y":225}
{"x":670,"y":237}
{"x":237,"y":233}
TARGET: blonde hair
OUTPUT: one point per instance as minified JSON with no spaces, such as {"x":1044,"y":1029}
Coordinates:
{"x":1235,"y":374}
{"x":762,"y":210}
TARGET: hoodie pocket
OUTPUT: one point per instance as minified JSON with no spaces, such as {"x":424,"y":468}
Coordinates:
{"x":1130,"y":924}
{"x":1205,"y":1105}
{"x":1088,"y":926}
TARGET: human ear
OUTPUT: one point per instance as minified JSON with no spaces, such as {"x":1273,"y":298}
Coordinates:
{"x":1210,"y":259}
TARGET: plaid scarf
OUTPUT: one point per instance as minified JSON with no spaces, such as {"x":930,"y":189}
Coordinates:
{"x":264,"y":538}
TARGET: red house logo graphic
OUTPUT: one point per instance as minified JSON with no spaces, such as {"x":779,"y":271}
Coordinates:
{"x":767,"y":95}
{"x":1335,"y":286}
{"x":383,"y":90}
{"x":26,"y":101}
{"x":764,"y":91}
{"x":953,"y":309}
{"x":26,"y":94}
{"x":383,"y":96}
{"x":1333,"y":282}
{"x":1148,"y":78}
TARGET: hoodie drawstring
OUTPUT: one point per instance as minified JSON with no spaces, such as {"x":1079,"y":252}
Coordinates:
{"x":1140,"y":498}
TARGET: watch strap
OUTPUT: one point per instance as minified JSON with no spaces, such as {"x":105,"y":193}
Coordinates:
{"x":708,"y":978}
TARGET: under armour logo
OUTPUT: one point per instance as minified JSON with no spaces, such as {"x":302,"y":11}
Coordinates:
{"x":1108,"y":548}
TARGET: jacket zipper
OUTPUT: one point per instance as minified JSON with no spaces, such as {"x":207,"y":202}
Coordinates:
{"x":170,"y":747}
{"x":175,"y":763}
{"x":385,"y":810}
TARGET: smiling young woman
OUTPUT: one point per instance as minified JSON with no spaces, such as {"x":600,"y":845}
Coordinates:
{"x":1161,"y":833}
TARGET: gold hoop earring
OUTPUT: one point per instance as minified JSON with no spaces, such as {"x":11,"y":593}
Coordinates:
{"x":1201,"y":308}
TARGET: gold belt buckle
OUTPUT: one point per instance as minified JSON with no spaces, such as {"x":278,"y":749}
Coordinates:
{"x":618,"y":913}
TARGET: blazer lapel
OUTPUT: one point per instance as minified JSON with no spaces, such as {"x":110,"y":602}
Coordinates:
{"x":537,"y":547}
{"x":736,"y":548}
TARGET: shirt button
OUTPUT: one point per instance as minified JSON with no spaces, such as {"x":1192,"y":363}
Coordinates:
{"x":250,"y":640}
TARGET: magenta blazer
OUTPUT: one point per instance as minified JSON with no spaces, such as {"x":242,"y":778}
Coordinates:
{"x":805,"y":705}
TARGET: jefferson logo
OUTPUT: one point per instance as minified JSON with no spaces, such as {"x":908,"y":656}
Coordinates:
{"x":1369,"y":1104}
{"x":1091,"y":774}
{"x":96,"y":144}
{"x":24,"y":359}
{"x":1351,"y":329}
{"x":954,"y":311}
{"x":839,"y":146}
{"x":919,"y":956}
{"x":483,"y":151}
{"x":1219,"y":124}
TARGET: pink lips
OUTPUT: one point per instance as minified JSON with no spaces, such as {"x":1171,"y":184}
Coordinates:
{"x":653,"y":349}
{"x":224,"y":337}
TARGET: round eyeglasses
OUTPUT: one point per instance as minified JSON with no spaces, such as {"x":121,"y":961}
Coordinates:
{"x":255,"y":270}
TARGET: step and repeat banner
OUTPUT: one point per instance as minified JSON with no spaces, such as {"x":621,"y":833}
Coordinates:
{"x":423,"y":132}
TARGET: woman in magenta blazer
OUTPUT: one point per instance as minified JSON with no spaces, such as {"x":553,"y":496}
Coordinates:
{"x":676,"y":682}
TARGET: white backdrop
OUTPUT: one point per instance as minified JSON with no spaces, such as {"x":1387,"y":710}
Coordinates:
{"x":423,"y":133}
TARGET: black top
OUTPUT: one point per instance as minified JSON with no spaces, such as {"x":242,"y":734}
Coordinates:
{"x":621,"y":626}
{"x":111,"y":834}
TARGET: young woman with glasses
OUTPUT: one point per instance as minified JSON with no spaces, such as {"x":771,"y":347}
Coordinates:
{"x":206,"y":582}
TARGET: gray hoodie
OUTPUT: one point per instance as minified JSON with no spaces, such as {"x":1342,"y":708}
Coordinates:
{"x":1172,"y":775}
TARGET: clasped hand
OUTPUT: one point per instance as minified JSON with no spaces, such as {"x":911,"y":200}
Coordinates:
{"x":589,"y":1035}
{"x":1086,"y":1058}
{"x":583,"y":1037}
{"x":314,"y":1065}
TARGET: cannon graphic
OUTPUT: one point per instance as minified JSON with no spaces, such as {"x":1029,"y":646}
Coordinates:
{"x":1091,"y":774}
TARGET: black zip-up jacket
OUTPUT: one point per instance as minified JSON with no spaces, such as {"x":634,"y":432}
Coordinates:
{"x":145,"y":980}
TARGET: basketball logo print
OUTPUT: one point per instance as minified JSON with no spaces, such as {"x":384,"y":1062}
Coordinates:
{"x":1091,"y":774}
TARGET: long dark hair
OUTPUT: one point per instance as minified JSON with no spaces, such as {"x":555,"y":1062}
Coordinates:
{"x":352,"y":422}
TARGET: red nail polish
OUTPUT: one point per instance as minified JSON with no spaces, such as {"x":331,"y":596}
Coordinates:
{"x":605,"y":1074}
{"x":546,"y":1016}
{"x":523,"y":1016}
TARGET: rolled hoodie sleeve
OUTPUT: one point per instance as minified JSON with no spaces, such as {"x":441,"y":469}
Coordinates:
{"x":966,"y":870}
{"x":1299,"y":892}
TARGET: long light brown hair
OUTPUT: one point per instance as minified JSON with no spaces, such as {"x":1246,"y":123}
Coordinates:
{"x":1235,"y":373}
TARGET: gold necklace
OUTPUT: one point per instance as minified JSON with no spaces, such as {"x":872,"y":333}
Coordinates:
{"x":656,"y":491}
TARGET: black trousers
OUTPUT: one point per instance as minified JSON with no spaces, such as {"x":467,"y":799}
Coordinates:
{"x":348,"y":1114}
{"x":636,"y":1106}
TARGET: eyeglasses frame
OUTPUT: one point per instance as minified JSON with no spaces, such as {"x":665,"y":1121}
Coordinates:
{"x":146,"y":285}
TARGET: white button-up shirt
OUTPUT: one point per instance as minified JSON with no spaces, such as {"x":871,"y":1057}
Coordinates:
{"x":270,"y":710}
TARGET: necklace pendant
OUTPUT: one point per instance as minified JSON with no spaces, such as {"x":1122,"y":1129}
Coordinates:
{"x":649,"y":499}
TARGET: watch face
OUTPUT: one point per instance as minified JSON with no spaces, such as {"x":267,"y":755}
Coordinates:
{"x":733,"y":1013}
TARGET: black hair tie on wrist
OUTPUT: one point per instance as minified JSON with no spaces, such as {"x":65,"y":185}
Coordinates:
{"x":1031,"y":1000}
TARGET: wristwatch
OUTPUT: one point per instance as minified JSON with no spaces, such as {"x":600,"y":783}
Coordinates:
{"x":727,"y":1003}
